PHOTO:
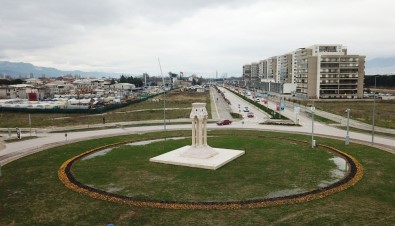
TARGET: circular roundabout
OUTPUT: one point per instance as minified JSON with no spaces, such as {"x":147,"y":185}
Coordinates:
{"x":274,"y":171}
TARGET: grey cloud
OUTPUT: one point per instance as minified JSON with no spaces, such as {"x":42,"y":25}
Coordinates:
{"x":46,"y":24}
{"x":195,"y":35}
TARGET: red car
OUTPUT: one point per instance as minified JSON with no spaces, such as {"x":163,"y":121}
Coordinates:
{"x":250,"y":115}
{"x":224,"y":122}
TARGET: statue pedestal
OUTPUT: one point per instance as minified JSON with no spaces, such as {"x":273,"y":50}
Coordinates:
{"x":177,"y":157}
{"x":200,"y":152}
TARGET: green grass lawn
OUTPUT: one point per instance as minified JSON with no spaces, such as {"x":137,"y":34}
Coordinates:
{"x":334,"y":123}
{"x":362,"y":111}
{"x":257,"y":174}
{"x":31,"y":193}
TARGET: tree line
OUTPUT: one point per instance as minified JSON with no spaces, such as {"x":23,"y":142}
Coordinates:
{"x":11,"y":82}
{"x":138,"y":82}
{"x":384,"y":81}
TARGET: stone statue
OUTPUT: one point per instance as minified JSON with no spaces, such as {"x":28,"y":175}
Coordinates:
{"x":199,"y":147}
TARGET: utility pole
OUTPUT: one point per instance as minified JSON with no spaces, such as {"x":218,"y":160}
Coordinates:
{"x":30,"y":125}
{"x":312,"y":126}
{"x":374,"y":109}
{"x":164,"y":97}
{"x":145,"y":79}
{"x":348,"y":126}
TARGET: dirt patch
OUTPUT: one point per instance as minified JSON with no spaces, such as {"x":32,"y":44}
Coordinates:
{"x":290,"y":216}
{"x":128,"y":215}
{"x":188,"y":96}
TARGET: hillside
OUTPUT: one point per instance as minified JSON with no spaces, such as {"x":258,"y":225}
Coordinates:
{"x":21,"y":69}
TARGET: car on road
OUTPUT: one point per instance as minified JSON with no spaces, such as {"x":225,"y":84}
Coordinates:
{"x":224,"y":122}
{"x":257,"y":100}
{"x":246,"y":109}
{"x":250,"y":115}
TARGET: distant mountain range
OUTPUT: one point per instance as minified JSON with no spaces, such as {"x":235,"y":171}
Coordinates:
{"x":375,"y":66}
{"x":381,"y":65}
{"x":23,"y":70}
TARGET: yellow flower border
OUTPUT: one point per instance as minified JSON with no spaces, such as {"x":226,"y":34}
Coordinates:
{"x":356,"y":172}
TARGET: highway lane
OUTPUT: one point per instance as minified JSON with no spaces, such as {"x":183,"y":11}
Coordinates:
{"x":219,"y":108}
{"x":238,"y":105}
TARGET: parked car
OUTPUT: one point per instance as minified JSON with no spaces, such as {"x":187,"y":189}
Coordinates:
{"x":250,"y":115}
{"x":257,"y":100}
{"x":246,"y":109}
{"x":224,"y":122}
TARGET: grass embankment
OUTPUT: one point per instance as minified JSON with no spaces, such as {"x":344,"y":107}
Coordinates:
{"x":152,"y":109}
{"x":389,"y":135}
{"x":31,"y":193}
{"x":362,"y":111}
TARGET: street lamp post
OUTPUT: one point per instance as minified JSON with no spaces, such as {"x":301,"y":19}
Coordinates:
{"x":374,"y":109}
{"x":164,"y":97}
{"x":348,"y":124}
{"x":312,"y":126}
{"x":30,"y":125}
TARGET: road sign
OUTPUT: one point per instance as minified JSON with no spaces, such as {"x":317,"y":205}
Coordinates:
{"x":282,"y":105}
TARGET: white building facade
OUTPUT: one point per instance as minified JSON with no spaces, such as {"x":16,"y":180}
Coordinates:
{"x":319,"y":71}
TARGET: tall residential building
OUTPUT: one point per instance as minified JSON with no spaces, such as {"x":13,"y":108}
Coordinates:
{"x":319,"y":71}
{"x":272,"y":68}
{"x":262,"y":70}
{"x":247,"y":72}
{"x":254,"y":71}
{"x":286,"y":69}
{"x":326,"y":71}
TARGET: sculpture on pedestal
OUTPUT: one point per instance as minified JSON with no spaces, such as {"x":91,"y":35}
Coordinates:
{"x":199,"y":147}
{"x":199,"y":154}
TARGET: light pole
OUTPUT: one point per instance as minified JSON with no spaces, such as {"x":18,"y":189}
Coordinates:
{"x":30,"y":125}
{"x":374,"y":108}
{"x":164,"y":97}
{"x":312,"y":126}
{"x":348,"y":124}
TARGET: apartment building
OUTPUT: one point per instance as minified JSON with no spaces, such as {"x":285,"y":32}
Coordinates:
{"x":319,"y":72}
{"x":327,"y":71}
{"x":285,"y":72}
{"x":262,"y":70}
{"x":247,"y":72}
{"x":271,"y":68}
{"x":254,"y":72}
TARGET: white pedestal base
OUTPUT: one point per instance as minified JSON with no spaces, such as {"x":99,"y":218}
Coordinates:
{"x":202,"y":152}
{"x":177,"y":157}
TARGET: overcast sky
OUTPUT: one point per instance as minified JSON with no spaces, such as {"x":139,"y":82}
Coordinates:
{"x":194,"y":36}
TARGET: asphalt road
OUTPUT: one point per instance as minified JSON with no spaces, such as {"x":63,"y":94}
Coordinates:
{"x":219,"y":108}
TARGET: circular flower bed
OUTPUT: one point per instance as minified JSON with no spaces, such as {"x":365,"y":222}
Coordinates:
{"x":355,"y":174}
